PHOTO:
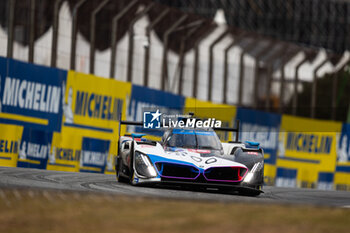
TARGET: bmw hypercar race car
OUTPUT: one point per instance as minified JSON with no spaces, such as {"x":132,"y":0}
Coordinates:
{"x":188,"y":157}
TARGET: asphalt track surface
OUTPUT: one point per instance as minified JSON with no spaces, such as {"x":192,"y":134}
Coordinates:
{"x":107,"y":184}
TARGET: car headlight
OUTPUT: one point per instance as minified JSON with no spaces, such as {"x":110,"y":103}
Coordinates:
{"x":143,"y":165}
{"x":257,"y":167}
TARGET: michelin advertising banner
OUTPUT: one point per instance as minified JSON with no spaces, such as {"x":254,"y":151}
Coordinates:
{"x":307,"y":153}
{"x":31,"y":101}
{"x":10,"y":138}
{"x":34,"y":148}
{"x":342,"y":175}
{"x":261,"y":127}
{"x":31,"y":96}
{"x":58,"y":120}
{"x":89,"y":135}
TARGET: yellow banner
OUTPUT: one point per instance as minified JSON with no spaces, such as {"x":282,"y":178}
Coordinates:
{"x":308,"y":146}
{"x":342,"y":181}
{"x":89,"y":135}
{"x":10,"y":139}
{"x":210,"y":110}
{"x":94,"y":103}
{"x":205,"y":109}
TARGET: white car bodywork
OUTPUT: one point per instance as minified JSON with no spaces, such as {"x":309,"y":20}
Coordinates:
{"x":180,"y":155}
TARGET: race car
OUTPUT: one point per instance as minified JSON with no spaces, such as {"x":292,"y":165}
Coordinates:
{"x":191,"y":157}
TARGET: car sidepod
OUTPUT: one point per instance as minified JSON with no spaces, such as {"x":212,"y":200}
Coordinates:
{"x":254,"y":160}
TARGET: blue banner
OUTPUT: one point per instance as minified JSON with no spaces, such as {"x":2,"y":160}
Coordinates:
{"x":146,"y":99}
{"x":34,"y":149}
{"x":286,"y":177}
{"x":31,"y":95}
{"x":325,"y":180}
{"x":343,"y":150}
{"x":260,"y":127}
{"x":94,"y":155}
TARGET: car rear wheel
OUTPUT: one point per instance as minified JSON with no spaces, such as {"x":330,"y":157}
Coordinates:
{"x":118,"y":168}
{"x":131,"y":171}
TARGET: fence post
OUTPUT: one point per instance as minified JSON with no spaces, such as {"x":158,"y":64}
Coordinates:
{"x":131,"y":40}
{"x":74,"y":33}
{"x":211,"y":57}
{"x":55,"y":33}
{"x":314,"y":87}
{"x":31,"y":32}
{"x":93,"y":36}
{"x":164,"y":74}
{"x":335,"y":88}
{"x":148,"y":46}
{"x":114,"y":32}
{"x":235,"y":41}
{"x":257,"y":59}
{"x":11,"y":25}
{"x":246,"y":49}
{"x":270,"y":61}
{"x":289,"y":55}
{"x":182,"y":57}
{"x":296,"y":83}
{"x":196,"y":62}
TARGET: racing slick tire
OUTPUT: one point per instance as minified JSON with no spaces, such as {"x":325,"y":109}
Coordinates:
{"x":118,"y":167}
{"x":131,"y":171}
{"x":131,"y":167}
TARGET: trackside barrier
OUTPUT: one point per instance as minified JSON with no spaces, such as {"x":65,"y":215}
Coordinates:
{"x":58,"y":120}
{"x":342,"y":170}
{"x":63,"y":120}
{"x":88,"y":139}
{"x":308,"y":152}
{"x":30,"y":112}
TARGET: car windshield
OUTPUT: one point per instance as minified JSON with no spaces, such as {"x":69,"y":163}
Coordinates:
{"x":194,"y":139}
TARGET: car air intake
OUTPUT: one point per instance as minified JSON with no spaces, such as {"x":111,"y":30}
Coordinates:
{"x":177,"y":171}
{"x":225,"y":174}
